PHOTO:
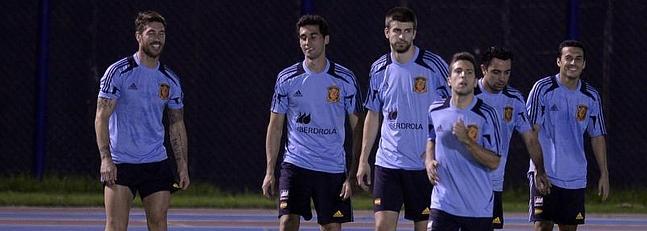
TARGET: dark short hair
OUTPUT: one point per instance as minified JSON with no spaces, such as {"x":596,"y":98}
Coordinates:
{"x":495,"y":52}
{"x":400,"y":14}
{"x":316,"y":20}
{"x":146,"y":17}
{"x":571,"y":43}
{"x":463,"y":56}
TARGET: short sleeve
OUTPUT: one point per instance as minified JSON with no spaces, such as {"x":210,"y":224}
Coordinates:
{"x":596,"y":126}
{"x":109,"y":85}
{"x":279,"y":99}
{"x":373,"y":101}
{"x":490,"y":137}
{"x":521,"y":123}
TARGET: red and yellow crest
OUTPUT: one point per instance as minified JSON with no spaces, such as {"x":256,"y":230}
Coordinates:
{"x":420,"y":85}
{"x":507,"y":113}
{"x":581,"y":112}
{"x":333,"y":94}
{"x":472,"y":131}
{"x":164,"y":91}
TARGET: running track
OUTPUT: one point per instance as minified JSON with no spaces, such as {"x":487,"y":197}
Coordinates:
{"x":78,"y":219}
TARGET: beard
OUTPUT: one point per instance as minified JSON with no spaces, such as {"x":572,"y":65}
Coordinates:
{"x":150,"y":52}
{"x":401,"y":49}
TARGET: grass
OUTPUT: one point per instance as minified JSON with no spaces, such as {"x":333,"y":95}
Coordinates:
{"x":75,"y":191}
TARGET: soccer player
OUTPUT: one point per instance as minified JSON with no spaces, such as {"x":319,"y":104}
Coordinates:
{"x":315,"y":96}
{"x":561,"y":108}
{"x":403,"y":84}
{"x":133,"y":94}
{"x":463,"y":147}
{"x":493,"y":89}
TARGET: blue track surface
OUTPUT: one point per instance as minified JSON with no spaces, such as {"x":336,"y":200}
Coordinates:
{"x":77,"y":219}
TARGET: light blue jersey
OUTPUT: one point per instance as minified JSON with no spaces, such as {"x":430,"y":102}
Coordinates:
{"x":464,"y":187}
{"x":564,"y":115}
{"x":511,"y":109}
{"x":141,"y":94}
{"x":403,"y":93}
{"x":316,"y":105}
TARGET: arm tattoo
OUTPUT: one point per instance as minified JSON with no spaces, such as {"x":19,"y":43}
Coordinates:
{"x":175,"y":115}
{"x":104,"y":103}
{"x":177,"y":134}
{"x":104,"y":151}
{"x":105,"y":107}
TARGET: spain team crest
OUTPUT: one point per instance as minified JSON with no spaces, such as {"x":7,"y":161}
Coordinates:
{"x":333,"y":94}
{"x":507,"y":113}
{"x":420,"y":85}
{"x":164,"y":91}
{"x":472,"y":131}
{"x":581,"y":112}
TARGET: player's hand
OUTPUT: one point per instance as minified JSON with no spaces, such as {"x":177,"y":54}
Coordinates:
{"x":184,"y":178}
{"x":542,"y":183}
{"x":269,"y":186}
{"x":364,"y":175}
{"x":460,"y":131}
{"x":432,"y":173}
{"x":108,"y":172}
{"x":603,"y":187}
{"x":346,"y":190}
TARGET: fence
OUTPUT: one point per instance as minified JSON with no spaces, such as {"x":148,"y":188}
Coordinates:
{"x":229,"y":52}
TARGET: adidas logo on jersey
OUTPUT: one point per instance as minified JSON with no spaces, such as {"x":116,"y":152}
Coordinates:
{"x":554,"y":108}
{"x":132,"y":86}
{"x":298,"y":94}
{"x":338,"y":214}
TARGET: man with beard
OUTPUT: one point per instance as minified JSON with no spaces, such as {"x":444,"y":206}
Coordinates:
{"x":493,"y":89}
{"x":561,"y":109}
{"x":315,"y":96}
{"x":463,"y":147}
{"x":403,"y":84}
{"x":133,"y":94}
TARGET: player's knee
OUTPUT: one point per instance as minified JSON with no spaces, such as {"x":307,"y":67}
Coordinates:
{"x":156,"y":218}
{"x":290,"y":222}
{"x":567,"y":227}
{"x":543,"y":226}
{"x":116,"y":225}
{"x":331,"y":227}
{"x":384,"y":221}
{"x":385,"y":225}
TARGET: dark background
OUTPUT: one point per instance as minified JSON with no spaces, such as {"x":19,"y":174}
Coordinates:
{"x":228,"y":54}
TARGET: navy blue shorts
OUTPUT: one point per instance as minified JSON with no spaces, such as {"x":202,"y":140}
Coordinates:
{"x":147,"y":178}
{"x":394,"y":187}
{"x":440,"y":220}
{"x":561,"y":206}
{"x":497,"y":210}
{"x":298,"y":185}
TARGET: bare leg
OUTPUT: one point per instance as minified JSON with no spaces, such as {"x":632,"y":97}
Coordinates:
{"x":331,"y":227}
{"x":544,"y":226}
{"x":386,"y":220}
{"x":156,"y":206}
{"x":117,"y":200}
{"x":567,"y":227}
{"x":289,"y":222}
{"x":420,"y":225}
